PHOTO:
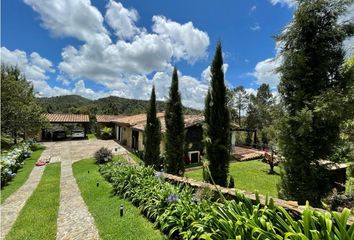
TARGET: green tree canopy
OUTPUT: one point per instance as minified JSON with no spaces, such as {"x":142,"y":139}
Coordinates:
{"x":174,"y":162}
{"x":152,"y":135}
{"x":239,"y":101}
{"x":310,"y":76}
{"x":20,"y":112}
{"x":217,"y":119}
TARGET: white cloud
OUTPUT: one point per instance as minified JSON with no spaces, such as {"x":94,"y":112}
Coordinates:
{"x":188,"y":42}
{"x":34,"y":67}
{"x":206,"y":74}
{"x":253,"y":8}
{"x":121,"y":66}
{"x":265,"y":72}
{"x":122,"y":20}
{"x":256,"y":27}
{"x":288,"y":3}
{"x":73,"y":18}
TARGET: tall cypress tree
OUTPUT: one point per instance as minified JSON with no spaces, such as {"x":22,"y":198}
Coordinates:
{"x":174,"y":130}
{"x":217,"y":119}
{"x":152,"y":135}
{"x":312,"y":57}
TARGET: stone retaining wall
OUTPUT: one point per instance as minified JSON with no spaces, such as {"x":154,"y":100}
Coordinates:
{"x":230,"y":193}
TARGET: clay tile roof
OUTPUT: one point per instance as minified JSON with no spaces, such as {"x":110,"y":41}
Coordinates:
{"x":135,"y":119}
{"x":189,"y":120}
{"x":70,"y":118}
{"x":108,"y":118}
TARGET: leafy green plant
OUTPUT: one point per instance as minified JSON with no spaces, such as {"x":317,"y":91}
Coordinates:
{"x":106,"y":132}
{"x":184,"y":213}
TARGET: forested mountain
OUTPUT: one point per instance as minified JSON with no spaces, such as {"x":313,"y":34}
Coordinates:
{"x":108,"y":105}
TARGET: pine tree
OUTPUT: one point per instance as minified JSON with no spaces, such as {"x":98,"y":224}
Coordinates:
{"x":152,"y":135}
{"x":217,"y":120}
{"x":312,"y":57}
{"x":174,"y":130}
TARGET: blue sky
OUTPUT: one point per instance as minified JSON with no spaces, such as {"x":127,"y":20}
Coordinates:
{"x":102,"y":47}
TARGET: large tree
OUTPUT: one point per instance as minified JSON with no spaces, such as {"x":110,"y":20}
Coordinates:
{"x":174,"y":161}
{"x":152,"y":135}
{"x":217,"y":119}
{"x":260,"y":108}
{"x":312,"y":58}
{"x":240,"y":99}
{"x":21,"y":115}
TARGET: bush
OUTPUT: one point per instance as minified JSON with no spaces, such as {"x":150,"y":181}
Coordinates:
{"x":106,"y":133}
{"x":182,"y":213}
{"x":349,"y":187}
{"x":231,"y":182}
{"x":103,"y":155}
{"x":12,"y":161}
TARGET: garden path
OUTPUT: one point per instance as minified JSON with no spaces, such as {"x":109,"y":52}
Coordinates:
{"x":74,"y":220}
{"x":15,"y":202}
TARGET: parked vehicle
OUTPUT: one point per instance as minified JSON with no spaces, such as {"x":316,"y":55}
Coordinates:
{"x":59,"y":135}
{"x":78,"y":134}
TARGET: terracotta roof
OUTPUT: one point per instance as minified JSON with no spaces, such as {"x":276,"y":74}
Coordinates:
{"x":189,"y":120}
{"x":135,"y":119}
{"x":108,"y":118}
{"x":70,"y":118}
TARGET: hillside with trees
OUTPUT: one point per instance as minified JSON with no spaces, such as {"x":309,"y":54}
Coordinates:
{"x":109,"y":105}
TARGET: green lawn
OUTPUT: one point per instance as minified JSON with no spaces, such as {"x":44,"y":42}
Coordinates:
{"x":21,"y":175}
{"x":38,"y":218}
{"x":104,"y":207}
{"x":91,"y":136}
{"x":249,"y":176}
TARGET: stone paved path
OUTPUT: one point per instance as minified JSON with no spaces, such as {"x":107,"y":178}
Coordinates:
{"x":15,"y":202}
{"x":74,"y":220}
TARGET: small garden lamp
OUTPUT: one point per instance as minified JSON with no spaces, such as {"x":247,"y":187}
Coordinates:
{"x":121,"y":210}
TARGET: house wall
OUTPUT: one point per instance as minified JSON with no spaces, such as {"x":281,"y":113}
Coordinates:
{"x":141,"y":142}
{"x":194,"y":139}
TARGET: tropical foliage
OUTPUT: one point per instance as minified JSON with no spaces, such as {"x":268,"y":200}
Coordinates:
{"x":182,"y":213}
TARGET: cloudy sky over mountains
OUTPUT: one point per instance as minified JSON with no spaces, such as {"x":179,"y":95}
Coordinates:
{"x":101,"y":48}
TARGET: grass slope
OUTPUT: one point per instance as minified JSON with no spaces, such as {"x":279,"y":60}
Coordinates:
{"x":21,"y":175}
{"x":104,"y":207}
{"x":38,"y":218}
{"x":249,"y":176}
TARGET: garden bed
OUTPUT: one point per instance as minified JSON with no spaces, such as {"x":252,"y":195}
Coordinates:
{"x":184,"y":213}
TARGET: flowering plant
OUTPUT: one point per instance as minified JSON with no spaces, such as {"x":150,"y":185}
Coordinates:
{"x":12,"y":161}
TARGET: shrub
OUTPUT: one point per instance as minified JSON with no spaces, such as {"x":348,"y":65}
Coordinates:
{"x":12,"y":161}
{"x":182,"y":213}
{"x":103,"y":155}
{"x":231,"y":182}
{"x":106,"y":133}
{"x":349,"y":187}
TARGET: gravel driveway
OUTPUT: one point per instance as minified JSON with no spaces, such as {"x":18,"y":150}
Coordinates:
{"x":78,"y":149}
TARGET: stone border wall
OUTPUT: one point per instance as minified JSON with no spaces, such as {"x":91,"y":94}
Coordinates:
{"x":230,"y":193}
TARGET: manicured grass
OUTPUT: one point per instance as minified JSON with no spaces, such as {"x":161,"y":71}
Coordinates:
{"x":21,"y":175}
{"x":104,"y":207}
{"x":38,"y":218}
{"x":249,"y":176}
{"x":91,"y":136}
